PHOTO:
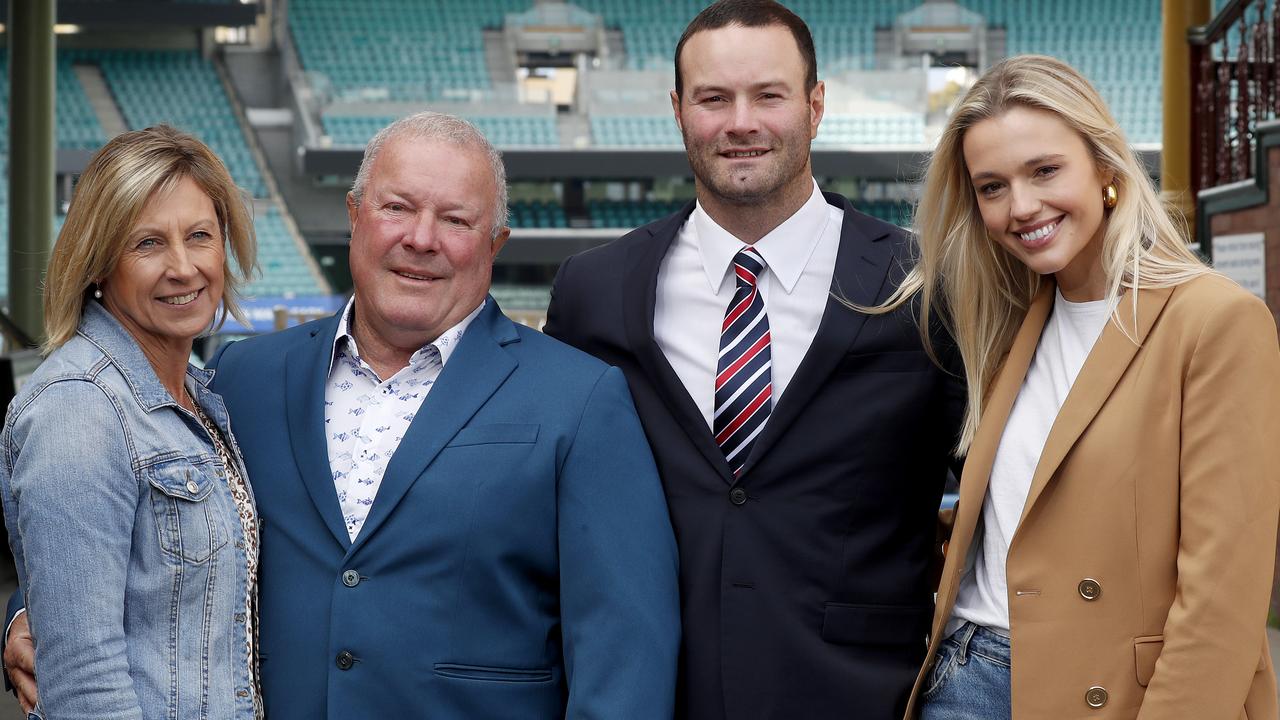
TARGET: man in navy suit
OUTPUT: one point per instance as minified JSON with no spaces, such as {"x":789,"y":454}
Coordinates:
{"x":461,"y":517}
{"x":802,"y":444}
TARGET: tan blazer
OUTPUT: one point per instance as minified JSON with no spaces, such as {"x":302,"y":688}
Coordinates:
{"x":1140,"y":573}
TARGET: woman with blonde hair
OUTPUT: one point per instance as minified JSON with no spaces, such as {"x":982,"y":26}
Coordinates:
{"x":128,"y":508}
{"x":1113,"y":546}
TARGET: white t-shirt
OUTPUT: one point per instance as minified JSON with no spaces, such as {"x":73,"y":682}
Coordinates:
{"x":1067,"y":338}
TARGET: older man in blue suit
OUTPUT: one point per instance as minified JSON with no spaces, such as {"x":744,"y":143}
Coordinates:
{"x":461,"y":517}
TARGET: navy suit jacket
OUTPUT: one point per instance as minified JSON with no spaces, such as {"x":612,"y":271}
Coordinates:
{"x":518,"y":561}
{"x":807,"y":582}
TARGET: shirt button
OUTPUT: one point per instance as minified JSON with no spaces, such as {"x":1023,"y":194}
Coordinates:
{"x":1096,"y":697}
{"x":239,"y":544}
{"x":351,"y":578}
{"x":193,"y":487}
{"x":1089,"y":589}
{"x":242,"y":693}
{"x":345,"y":660}
{"x":738,"y":496}
{"x":239,"y":617}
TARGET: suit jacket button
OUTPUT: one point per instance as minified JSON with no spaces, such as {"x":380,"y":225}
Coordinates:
{"x":1096,"y":696}
{"x":1089,"y":589}
{"x":351,"y":578}
{"x":738,"y":496}
{"x":345,"y":660}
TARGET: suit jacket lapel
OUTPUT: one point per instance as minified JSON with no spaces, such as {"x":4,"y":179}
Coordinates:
{"x":477,"y":368}
{"x":999,"y":403}
{"x":862,"y":264}
{"x":1106,"y":363}
{"x":306,"y":373}
{"x":640,"y":296}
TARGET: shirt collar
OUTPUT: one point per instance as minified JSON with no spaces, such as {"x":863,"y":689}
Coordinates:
{"x":786,"y":249}
{"x":445,"y":344}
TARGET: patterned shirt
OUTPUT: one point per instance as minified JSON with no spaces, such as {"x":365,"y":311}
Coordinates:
{"x":249,"y":527}
{"x":365,"y":417}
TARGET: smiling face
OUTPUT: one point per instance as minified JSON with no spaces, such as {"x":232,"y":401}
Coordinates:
{"x":167,"y":285}
{"x":422,"y":247}
{"x":746,"y":118}
{"x":1040,"y":195}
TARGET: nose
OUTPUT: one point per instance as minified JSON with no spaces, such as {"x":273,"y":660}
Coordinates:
{"x":420,"y":236}
{"x":180,"y":267}
{"x":743,"y":121}
{"x":1024,"y":204}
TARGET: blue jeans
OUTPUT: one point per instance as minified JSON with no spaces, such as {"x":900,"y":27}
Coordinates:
{"x":970,"y":680}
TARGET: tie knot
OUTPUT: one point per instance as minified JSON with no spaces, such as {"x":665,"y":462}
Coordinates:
{"x":748,"y":264}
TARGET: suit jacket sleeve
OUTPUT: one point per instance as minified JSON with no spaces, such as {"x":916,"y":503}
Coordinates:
{"x":556,"y":323}
{"x":1228,"y":508}
{"x":618,"y":590}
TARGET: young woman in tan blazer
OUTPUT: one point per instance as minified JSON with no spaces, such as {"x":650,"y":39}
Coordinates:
{"x":1113,"y":547}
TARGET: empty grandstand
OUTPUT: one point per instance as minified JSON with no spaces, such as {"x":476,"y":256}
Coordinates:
{"x":575,"y":94}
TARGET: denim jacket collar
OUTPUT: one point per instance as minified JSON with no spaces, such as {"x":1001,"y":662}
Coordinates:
{"x":101,"y":328}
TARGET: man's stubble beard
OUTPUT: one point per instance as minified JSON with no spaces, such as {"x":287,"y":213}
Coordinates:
{"x":794,"y":157}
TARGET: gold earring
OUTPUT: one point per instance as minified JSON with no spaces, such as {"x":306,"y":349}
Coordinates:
{"x":1110,"y":196}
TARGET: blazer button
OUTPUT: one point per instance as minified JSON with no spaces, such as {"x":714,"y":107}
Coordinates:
{"x":1089,"y":589}
{"x":1096,"y":696}
{"x":345,"y":660}
{"x":351,"y":578}
{"x":738,"y":496}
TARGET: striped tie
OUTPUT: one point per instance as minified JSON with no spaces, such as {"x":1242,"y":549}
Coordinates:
{"x":744,"y":385}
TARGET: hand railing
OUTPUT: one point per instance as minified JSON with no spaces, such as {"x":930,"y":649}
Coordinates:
{"x":1234,"y":82}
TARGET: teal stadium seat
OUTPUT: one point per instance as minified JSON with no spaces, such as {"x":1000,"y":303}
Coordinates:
{"x":284,"y":270}
{"x":502,"y":131}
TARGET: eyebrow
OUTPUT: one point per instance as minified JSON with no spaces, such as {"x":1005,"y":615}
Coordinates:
{"x":159,"y":230}
{"x":777,"y":82}
{"x":1037,"y":160}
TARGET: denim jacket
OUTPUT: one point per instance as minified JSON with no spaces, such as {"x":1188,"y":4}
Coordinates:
{"x":128,"y":544}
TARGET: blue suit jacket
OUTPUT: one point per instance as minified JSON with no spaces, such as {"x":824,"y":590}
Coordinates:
{"x":518,"y":561}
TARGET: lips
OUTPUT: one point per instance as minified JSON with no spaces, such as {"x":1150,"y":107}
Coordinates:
{"x":743,"y":154}
{"x":180,"y":299}
{"x":1039,"y":235}
{"x":415,"y":276}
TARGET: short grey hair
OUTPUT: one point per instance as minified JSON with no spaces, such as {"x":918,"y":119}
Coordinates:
{"x":437,"y":126}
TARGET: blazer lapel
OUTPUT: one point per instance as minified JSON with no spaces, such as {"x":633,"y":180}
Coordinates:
{"x":640,"y":295}
{"x":862,"y":264}
{"x":1102,"y":369}
{"x":477,"y":368}
{"x":306,"y":373}
{"x":999,"y":403}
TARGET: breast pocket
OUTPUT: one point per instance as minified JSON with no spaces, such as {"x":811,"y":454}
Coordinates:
{"x":495,"y":434}
{"x":185,"y":509}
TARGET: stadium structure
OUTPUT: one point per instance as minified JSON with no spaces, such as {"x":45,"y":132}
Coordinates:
{"x":575,"y":94}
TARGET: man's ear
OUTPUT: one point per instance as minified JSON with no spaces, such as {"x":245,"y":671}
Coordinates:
{"x":817,"y":106}
{"x":353,"y":211}
{"x":675,"y":109}
{"x":498,"y":242}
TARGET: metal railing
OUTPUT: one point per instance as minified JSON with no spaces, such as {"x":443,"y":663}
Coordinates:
{"x":1235,"y":85}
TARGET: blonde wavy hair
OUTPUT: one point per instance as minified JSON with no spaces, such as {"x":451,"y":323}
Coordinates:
{"x":113,"y":190}
{"x":969,"y":281}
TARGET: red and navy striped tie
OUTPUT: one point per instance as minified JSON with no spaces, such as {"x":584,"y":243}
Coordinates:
{"x":744,"y":384}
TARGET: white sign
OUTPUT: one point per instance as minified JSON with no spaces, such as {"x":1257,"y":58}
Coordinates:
{"x":1242,"y":258}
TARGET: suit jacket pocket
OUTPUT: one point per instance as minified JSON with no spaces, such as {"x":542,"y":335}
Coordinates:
{"x":845,"y":624}
{"x":890,"y":361}
{"x":1146,"y":650}
{"x":492,"y":674}
{"x":510,"y":433}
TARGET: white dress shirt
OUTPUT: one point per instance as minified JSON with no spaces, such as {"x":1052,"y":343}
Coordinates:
{"x":696,"y":282}
{"x":365,"y":417}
